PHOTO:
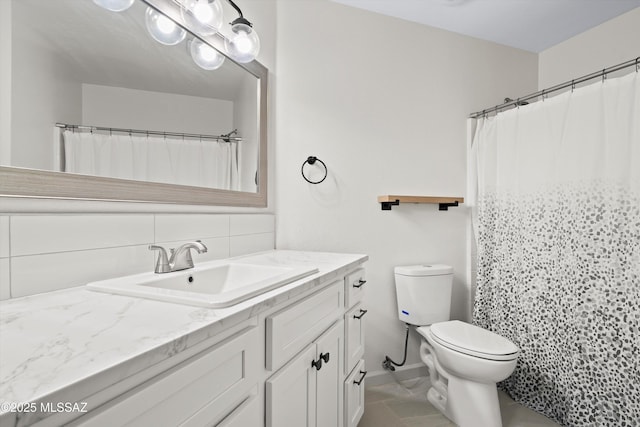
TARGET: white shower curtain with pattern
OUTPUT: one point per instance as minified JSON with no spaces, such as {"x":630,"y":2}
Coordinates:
{"x":556,"y":199}
{"x":200,"y":163}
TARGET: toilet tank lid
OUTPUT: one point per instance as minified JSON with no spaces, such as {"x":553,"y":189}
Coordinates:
{"x":423,"y":270}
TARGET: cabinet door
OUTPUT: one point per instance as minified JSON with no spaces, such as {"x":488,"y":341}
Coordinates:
{"x":354,"y":339}
{"x":330,"y":346}
{"x":291,"y":393}
{"x":354,"y":396}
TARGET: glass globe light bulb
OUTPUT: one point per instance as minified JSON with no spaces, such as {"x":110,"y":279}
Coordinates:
{"x":244,"y":44}
{"x":204,"y":16}
{"x":114,"y":5}
{"x":163,"y":29}
{"x":205,"y":56}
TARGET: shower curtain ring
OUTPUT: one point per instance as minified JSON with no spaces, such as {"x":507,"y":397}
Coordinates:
{"x":637,"y":64}
{"x":573,"y":85}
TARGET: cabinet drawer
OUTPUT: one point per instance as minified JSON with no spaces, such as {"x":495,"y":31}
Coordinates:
{"x":354,"y":396}
{"x":208,"y":384}
{"x":354,"y":337}
{"x":294,"y":327}
{"x":245,"y":415}
{"x":354,"y":284}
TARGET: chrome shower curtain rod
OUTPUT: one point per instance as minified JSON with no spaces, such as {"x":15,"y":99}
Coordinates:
{"x":225,"y":138}
{"x":571,"y":83}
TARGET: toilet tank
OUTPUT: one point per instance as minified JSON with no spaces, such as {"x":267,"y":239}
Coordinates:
{"x":424,"y":293}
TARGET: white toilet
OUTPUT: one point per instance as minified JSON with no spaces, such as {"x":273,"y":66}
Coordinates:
{"x":465,"y":362}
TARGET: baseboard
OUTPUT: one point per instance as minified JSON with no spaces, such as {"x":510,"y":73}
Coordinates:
{"x":400,"y":374}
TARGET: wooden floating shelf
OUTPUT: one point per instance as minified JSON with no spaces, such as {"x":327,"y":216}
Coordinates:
{"x":443,"y":202}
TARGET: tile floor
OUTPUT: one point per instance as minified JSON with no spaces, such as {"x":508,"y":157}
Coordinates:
{"x":404,"y":404}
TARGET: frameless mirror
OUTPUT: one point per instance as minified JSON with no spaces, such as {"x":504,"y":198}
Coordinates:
{"x":100,"y":110}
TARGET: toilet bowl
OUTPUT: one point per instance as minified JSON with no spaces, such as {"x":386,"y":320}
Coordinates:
{"x":471,"y":360}
{"x":465,"y":361}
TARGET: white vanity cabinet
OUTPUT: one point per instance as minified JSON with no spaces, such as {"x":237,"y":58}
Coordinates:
{"x":307,"y":391}
{"x":296,"y":364}
{"x":213,"y":387}
{"x":354,"y":342}
{"x":354,"y":284}
{"x":316,"y":347}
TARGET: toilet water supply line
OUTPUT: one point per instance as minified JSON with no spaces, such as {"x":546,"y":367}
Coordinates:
{"x":388,"y":363}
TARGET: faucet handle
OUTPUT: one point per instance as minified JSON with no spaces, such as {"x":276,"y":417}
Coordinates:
{"x":162,"y":264}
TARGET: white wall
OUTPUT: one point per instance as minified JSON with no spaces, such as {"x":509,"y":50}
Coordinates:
{"x":140,"y":109}
{"x":383,"y":103}
{"x":44,"y":91}
{"x":610,"y":43}
{"x":44,"y":253}
{"x":5,"y":82}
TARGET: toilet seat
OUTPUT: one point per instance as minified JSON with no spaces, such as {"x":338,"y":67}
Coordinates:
{"x":473,"y":341}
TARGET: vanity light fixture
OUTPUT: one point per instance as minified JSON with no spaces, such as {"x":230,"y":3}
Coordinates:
{"x":204,"y":55}
{"x":114,"y":5}
{"x":244,"y":44}
{"x":205,"y":16}
{"x":163,"y":29}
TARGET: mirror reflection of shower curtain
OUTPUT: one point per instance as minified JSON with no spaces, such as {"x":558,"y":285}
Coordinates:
{"x":200,"y":163}
{"x":557,"y":223}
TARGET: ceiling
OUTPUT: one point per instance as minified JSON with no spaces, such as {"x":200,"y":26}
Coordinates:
{"x":532,"y":25}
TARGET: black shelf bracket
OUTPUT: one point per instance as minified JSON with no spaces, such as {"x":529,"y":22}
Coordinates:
{"x":386,"y":206}
{"x":445,"y":206}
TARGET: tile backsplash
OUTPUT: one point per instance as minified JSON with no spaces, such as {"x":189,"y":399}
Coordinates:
{"x":43,"y":253}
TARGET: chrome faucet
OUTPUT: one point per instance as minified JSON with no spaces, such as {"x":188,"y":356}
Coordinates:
{"x":180,"y":258}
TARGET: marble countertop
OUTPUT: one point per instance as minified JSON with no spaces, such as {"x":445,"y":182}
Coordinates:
{"x":66,"y":345}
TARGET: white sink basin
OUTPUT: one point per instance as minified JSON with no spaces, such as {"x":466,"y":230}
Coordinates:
{"x":214,"y":284}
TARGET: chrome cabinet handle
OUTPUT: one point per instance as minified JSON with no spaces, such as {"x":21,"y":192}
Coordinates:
{"x":359,"y":284}
{"x":359,"y":316}
{"x":358,"y":382}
